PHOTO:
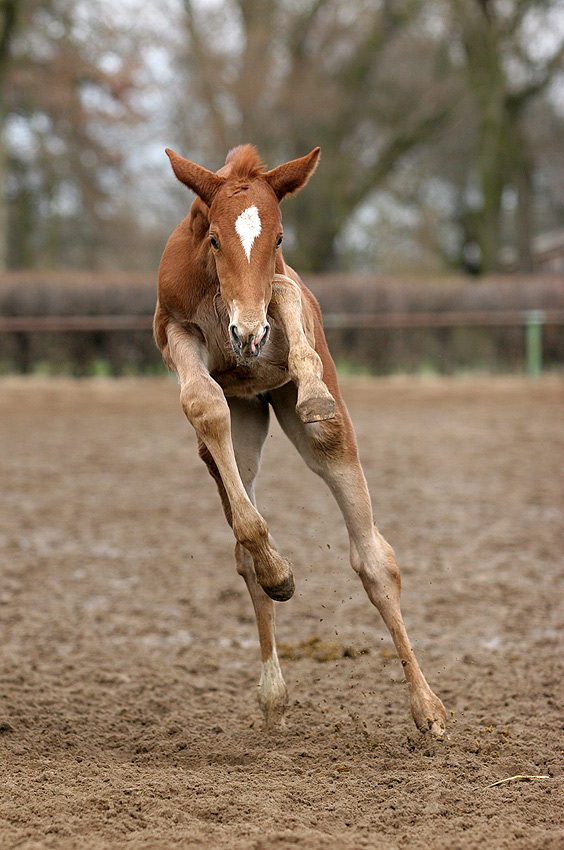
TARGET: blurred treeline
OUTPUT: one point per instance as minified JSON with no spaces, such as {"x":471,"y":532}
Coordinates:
{"x":441,"y":124}
{"x":381,"y":351}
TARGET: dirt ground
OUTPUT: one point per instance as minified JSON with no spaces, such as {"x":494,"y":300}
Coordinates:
{"x":129,"y":658}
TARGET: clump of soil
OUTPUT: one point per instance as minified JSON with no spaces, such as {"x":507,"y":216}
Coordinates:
{"x":318,"y":650}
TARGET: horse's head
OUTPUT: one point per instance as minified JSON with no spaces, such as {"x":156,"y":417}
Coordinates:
{"x":245,"y":232}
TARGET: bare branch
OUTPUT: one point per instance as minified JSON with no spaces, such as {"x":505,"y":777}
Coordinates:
{"x":252,"y":86}
{"x":205,"y":65}
{"x":8,"y":17}
{"x":301,"y":29}
{"x":399,"y":145}
{"x":518,"y":100}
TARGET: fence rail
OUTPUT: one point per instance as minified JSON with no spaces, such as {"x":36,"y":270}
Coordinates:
{"x":493,"y":318}
{"x":60,"y":324}
{"x":532,"y":320}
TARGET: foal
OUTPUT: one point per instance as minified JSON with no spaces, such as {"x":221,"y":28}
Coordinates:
{"x":243,"y":334}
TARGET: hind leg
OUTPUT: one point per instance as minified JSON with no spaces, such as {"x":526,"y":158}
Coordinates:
{"x":249,"y":427}
{"x":272,"y":692}
{"x":329,"y":449}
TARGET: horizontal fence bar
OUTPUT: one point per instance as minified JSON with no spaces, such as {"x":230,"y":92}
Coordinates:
{"x":493,"y":318}
{"x":57,"y":324}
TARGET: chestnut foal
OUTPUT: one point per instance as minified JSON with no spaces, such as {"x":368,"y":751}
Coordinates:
{"x":242,"y":333}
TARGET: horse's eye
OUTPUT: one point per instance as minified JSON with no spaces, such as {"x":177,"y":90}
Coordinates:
{"x":279,"y":241}
{"x":214,"y":242}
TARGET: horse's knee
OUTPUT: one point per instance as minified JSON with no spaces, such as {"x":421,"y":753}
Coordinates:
{"x":209,"y":416}
{"x":327,"y":448}
{"x":305,"y":360}
{"x":250,"y":529}
{"x":388,"y":559}
{"x":377,"y":566}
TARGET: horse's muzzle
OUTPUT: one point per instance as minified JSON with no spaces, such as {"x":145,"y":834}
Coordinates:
{"x":248,"y":344}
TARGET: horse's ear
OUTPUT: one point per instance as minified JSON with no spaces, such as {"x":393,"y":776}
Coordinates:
{"x":291,"y":176}
{"x":203,"y":182}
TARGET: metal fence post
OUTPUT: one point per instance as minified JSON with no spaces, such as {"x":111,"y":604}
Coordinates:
{"x":534,"y":321}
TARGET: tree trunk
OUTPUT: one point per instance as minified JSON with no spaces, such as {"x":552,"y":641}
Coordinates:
{"x":3,"y":198}
{"x":8,"y":21}
{"x":524,"y":184}
{"x":492,"y":181}
{"x":481,"y":39}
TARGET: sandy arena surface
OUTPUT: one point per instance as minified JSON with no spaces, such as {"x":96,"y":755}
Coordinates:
{"x":129,"y":658}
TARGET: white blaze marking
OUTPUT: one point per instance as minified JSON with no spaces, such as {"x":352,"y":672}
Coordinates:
{"x":248,"y":228}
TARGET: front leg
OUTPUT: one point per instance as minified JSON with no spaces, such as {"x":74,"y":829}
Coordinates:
{"x":315,"y":403}
{"x":206,"y":408}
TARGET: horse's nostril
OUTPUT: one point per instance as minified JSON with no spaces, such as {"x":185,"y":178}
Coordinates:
{"x":252,"y":342}
{"x":235,"y":336}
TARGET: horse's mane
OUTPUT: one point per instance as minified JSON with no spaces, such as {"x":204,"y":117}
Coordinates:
{"x":245,"y":162}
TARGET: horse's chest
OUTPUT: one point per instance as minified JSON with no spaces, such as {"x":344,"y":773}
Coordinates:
{"x":249,"y":380}
{"x":259,"y":375}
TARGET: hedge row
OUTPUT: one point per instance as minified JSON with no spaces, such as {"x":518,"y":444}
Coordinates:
{"x":382,"y":351}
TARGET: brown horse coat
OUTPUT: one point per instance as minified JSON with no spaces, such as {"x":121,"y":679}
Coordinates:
{"x":243,"y":334}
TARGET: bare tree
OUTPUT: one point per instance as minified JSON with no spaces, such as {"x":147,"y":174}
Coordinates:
{"x":65,"y":88}
{"x":506,"y":73}
{"x":289,"y":76}
{"x":8,"y":20}
{"x":490,"y":179}
{"x":402,"y":95}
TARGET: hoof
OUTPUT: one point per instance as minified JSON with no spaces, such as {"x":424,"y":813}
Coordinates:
{"x":316,"y":409}
{"x":281,"y":592}
{"x":437,"y":728}
{"x":429,"y":715}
